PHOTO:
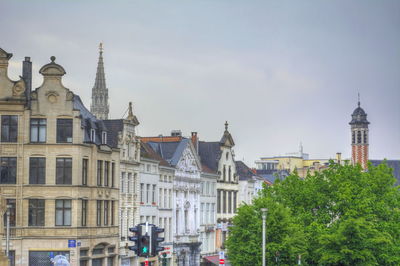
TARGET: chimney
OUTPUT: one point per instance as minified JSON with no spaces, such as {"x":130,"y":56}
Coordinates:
{"x":338,"y":157}
{"x":27,"y":76}
{"x":195,"y":141}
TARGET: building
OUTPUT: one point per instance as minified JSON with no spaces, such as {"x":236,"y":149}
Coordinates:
{"x":58,"y":173}
{"x":99,"y":106}
{"x":180,"y":154}
{"x":359,"y":137}
{"x":250,"y":184}
{"x":123,"y":136}
{"x":219,"y":157}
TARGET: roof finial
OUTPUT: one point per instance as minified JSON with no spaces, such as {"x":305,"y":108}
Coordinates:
{"x":130,"y":113}
{"x":358,"y":99}
{"x":226,"y":125}
{"x":101,"y":47}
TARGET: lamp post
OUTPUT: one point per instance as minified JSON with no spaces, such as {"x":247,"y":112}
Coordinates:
{"x":264,"y":218}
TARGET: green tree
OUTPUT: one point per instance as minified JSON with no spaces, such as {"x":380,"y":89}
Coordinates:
{"x":340,"y":216}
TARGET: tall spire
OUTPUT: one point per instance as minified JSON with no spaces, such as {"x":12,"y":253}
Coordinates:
{"x":358,"y":99}
{"x":99,"y":106}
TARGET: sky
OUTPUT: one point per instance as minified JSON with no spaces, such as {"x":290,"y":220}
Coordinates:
{"x":280,"y":72}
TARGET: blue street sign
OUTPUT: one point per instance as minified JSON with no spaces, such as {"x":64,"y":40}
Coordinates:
{"x":72,"y":243}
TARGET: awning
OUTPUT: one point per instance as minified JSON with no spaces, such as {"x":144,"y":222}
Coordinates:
{"x":212,"y":259}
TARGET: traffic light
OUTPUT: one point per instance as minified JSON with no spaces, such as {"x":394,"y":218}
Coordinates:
{"x":156,"y":240}
{"x":138,"y":231}
{"x":144,"y":246}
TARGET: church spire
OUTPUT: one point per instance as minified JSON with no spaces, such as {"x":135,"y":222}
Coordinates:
{"x":99,"y":106}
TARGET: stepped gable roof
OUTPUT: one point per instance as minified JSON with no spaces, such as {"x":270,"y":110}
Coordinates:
{"x":170,"y":151}
{"x":89,"y":121}
{"x":147,"y":151}
{"x":243,"y":171}
{"x":210,"y":153}
{"x":114,"y":126}
{"x":394,"y":164}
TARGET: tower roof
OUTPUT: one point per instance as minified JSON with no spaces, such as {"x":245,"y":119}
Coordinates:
{"x":100,"y":81}
{"x":359,"y":116}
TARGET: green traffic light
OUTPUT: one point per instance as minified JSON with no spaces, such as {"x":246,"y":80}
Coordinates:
{"x":144,"y":250}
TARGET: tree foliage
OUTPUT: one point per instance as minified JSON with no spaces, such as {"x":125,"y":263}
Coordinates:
{"x":340,"y":216}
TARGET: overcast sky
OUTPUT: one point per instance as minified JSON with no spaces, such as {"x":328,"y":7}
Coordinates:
{"x":281,"y":72}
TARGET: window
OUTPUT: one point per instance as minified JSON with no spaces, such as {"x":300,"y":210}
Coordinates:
{"x":92,"y":135}
{"x":112,"y":212}
{"x":112,"y":174}
{"x":141,"y":192}
{"x":99,"y":172}
{"x":103,"y":137}
{"x":98,"y":218}
{"x":229,"y":174}
{"x":123,"y":174}
{"x":227,"y":155}
{"x":85,"y":163}
{"x":160,"y":203}
{"x":234,"y":201}
{"x":186,"y":221}
{"x":224,"y":173}
{"x":64,"y":171}
{"x":64,"y":130}
{"x":11,"y":203}
{"x":106,"y":212}
{"x":218,"y":201}
{"x":230,"y":201}
{"x":37,"y":170}
{"x":365,"y":137}
{"x":353,"y":135}
{"x":63,"y":212}
{"x":8,"y":170}
{"x":106,"y":173}
{"x":9,"y":128}
{"x":153,"y":194}
{"x":165,"y":202}
{"x":359,"y":137}
{"x":110,"y":261}
{"x":201,"y":213}
{"x":147,"y":193}
{"x":129,"y":182}
{"x":97,"y":262}
{"x":36,"y":212}
{"x":84,"y":213}
{"x":38,"y":130}
{"x":224,"y":201}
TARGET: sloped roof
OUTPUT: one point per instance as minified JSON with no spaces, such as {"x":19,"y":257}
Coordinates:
{"x":114,"y":126}
{"x":146,"y":151}
{"x":243,"y":171}
{"x":89,"y":121}
{"x":170,"y":151}
{"x":394,"y":164}
{"x":210,"y":153}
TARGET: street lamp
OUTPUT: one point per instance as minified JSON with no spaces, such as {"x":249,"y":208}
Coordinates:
{"x":264,"y":218}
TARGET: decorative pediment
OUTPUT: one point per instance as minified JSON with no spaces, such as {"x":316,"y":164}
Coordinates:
{"x":52,"y":69}
{"x":188,"y":161}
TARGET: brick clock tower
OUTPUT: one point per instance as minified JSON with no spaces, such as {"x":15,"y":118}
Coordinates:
{"x":359,"y":137}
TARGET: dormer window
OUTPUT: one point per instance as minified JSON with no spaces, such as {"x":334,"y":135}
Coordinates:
{"x":93,"y":135}
{"x":104,"y":137}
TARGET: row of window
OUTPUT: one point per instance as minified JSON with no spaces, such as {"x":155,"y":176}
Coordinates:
{"x":128,"y":184}
{"x":38,"y":130}
{"x":147,"y":196}
{"x":227,"y":175}
{"x":165,"y":178}
{"x":226,"y":201}
{"x":207,"y":211}
{"x":208,"y":188}
{"x":37,"y":171}
{"x":361,"y":137}
{"x":63,"y":212}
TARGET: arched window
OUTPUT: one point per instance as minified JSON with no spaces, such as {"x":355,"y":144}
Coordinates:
{"x":365,"y":137}
{"x":359,"y":137}
{"x":227,"y":155}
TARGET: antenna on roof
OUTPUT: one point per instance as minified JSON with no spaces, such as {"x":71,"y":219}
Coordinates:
{"x":358,"y":99}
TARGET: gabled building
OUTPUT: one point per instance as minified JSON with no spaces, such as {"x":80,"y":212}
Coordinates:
{"x":182,"y":156}
{"x":219,"y":157}
{"x":58,"y":173}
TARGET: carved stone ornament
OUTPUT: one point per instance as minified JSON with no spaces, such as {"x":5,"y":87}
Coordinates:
{"x":187,"y":205}
{"x":18,"y":89}
{"x":70,"y":96}
{"x":52,"y":96}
